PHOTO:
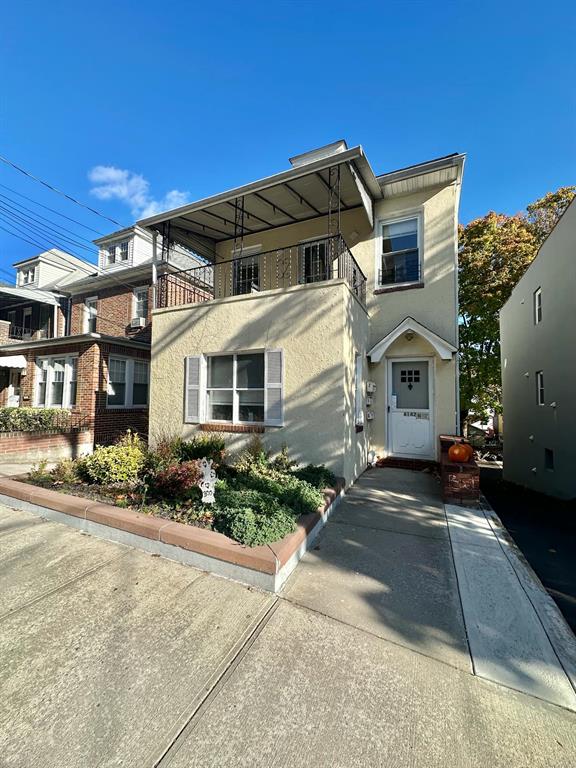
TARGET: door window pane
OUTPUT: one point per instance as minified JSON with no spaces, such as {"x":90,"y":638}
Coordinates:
{"x":220,"y":371}
{"x":410,"y":385}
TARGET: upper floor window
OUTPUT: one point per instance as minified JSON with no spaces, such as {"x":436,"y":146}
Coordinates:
{"x":28,"y":276}
{"x":141,"y":302}
{"x":117,"y":252}
{"x":400,"y":252}
{"x":90,"y":314}
{"x":540,"y":387}
{"x":537,"y":306}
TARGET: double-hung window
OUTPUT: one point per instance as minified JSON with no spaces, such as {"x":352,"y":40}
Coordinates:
{"x":400,"y":252}
{"x":90,"y":314}
{"x":537,"y":306}
{"x":540,"y":388}
{"x":127,"y":382}
{"x":56,"y":382}
{"x":123,"y":250}
{"x":117,"y":252}
{"x":141,"y":302}
{"x":235,"y":388}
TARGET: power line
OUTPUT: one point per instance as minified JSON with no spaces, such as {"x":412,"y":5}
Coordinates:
{"x":53,"y":210}
{"x":58,"y":191}
{"x":42,"y":229}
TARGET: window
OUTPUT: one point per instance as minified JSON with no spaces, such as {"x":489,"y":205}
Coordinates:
{"x":27,"y":323}
{"x":315,"y":266}
{"x":241,"y":388}
{"x":56,"y":382}
{"x":549,"y":459}
{"x":117,"y":252}
{"x":358,"y":406}
{"x":127,"y":382}
{"x":400,"y":256}
{"x":235,"y":388}
{"x":141,"y":302}
{"x":246,"y":275}
{"x":540,"y":387}
{"x":537,"y":306}
{"x":28,"y":276}
{"x":90,"y":314}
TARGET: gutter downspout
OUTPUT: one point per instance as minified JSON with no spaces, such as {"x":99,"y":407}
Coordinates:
{"x":154,"y":267}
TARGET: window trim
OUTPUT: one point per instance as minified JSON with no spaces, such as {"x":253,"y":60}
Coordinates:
{"x":540,"y":393}
{"x":537,"y":305}
{"x":66,"y":404}
{"x":417,"y":214}
{"x":204,"y":389}
{"x":129,"y":384}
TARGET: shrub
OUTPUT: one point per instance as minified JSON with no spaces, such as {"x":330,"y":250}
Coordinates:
{"x":318,"y":476}
{"x":177,"y":480}
{"x":39,"y":473}
{"x":65,"y":472}
{"x":297,"y":494}
{"x":210,"y":445}
{"x":33,"y":419}
{"x":119,"y":463}
{"x":282,"y":462}
{"x":248,"y":527}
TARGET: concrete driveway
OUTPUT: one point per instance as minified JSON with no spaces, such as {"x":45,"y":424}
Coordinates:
{"x":112,"y":657}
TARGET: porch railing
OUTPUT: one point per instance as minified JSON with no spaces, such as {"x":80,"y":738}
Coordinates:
{"x":22,"y":334}
{"x":313,"y":261}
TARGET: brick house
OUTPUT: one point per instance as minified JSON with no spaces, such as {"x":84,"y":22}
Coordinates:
{"x":77,"y":336}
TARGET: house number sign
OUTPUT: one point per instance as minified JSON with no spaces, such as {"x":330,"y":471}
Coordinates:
{"x":208,"y":481}
{"x":417,"y":415}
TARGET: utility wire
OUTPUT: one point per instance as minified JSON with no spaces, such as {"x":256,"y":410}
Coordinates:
{"x":58,"y":191}
{"x":42,"y":229}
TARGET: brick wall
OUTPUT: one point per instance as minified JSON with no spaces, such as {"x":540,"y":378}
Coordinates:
{"x":31,"y":446}
{"x":91,"y":398}
{"x":115,"y":310}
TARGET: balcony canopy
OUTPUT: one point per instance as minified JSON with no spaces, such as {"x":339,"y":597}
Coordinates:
{"x":306,"y":191}
{"x":13,"y":295}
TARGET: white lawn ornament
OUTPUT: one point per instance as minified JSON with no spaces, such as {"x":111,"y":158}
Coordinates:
{"x":208,"y":481}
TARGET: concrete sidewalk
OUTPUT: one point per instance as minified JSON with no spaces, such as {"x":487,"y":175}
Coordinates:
{"x":112,"y":657}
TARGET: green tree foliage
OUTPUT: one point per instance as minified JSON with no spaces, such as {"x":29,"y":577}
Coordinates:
{"x":494,"y":252}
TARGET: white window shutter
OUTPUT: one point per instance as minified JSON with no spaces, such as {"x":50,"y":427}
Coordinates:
{"x":192,"y":390}
{"x":274,"y":390}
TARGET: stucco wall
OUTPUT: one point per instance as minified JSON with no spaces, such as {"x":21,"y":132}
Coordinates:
{"x":549,"y":346}
{"x":309,"y":324}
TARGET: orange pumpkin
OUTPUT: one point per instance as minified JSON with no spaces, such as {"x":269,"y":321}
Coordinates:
{"x":458,"y":453}
{"x":469,"y":449}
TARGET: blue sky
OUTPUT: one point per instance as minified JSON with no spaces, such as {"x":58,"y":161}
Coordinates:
{"x":184,"y":100}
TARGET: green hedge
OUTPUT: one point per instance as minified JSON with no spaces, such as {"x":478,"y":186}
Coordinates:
{"x":33,"y":419}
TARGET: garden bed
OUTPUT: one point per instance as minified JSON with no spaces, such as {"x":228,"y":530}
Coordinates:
{"x":265,"y":515}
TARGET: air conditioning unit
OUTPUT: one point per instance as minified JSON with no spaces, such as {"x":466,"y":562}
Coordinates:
{"x":138,"y":322}
{"x":370,"y":386}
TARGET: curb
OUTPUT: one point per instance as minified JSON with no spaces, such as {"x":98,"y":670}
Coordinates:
{"x":266,"y":567}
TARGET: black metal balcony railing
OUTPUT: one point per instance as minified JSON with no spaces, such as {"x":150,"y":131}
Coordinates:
{"x":314,"y":261}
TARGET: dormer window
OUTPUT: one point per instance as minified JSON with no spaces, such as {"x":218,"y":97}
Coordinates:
{"x":28,"y":275}
{"x":117,"y":253}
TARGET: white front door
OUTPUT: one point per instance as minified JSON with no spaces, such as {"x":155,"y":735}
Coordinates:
{"x":410,"y":408}
{"x":13,"y":400}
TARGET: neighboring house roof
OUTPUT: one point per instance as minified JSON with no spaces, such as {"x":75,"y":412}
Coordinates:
{"x":59,"y":341}
{"x":444,"y":348}
{"x":30,"y":294}
{"x":61,"y":258}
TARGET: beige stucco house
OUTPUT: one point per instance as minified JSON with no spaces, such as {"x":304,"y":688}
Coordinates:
{"x":325,"y":316}
{"x":538,"y":348}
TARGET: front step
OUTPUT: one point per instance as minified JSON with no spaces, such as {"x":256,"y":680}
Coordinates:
{"x":398,"y":462}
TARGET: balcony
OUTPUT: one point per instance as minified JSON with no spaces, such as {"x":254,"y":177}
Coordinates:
{"x":313,"y":261}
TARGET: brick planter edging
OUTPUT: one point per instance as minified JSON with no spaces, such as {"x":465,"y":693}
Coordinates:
{"x":270,"y":564}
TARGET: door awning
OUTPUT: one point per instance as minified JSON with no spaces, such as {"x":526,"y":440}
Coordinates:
{"x":13,"y":361}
